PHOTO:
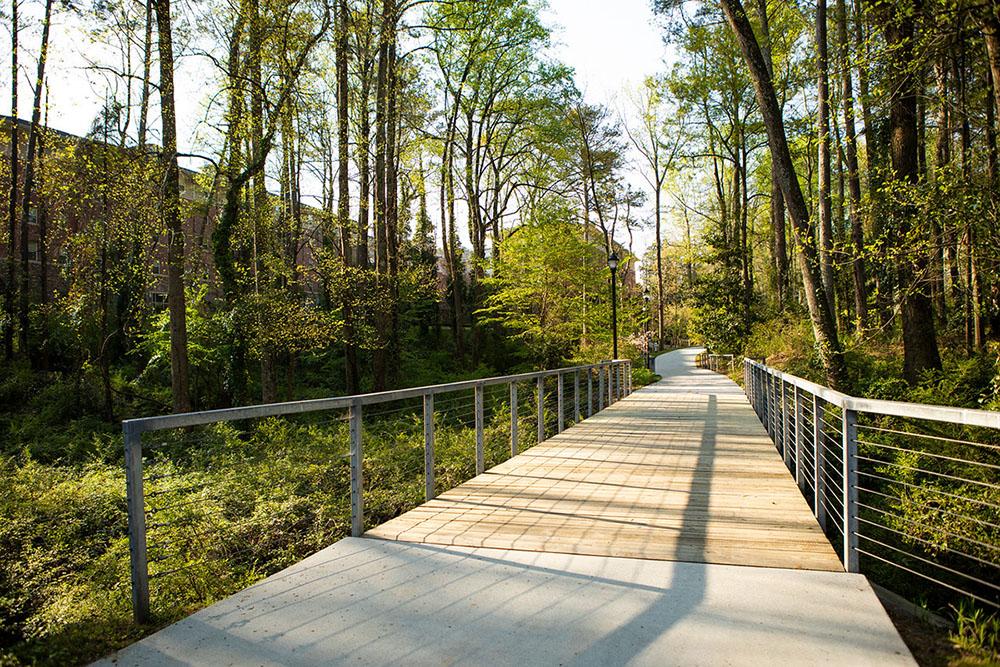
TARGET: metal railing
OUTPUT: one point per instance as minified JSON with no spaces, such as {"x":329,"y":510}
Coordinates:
{"x":720,"y":363}
{"x":181,"y":517}
{"x":907,"y":493}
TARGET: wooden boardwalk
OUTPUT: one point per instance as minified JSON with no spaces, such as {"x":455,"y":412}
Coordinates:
{"x":681,"y":470}
{"x":617,"y":542}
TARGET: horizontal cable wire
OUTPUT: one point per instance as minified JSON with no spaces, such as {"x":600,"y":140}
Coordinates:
{"x":928,"y":543}
{"x":930,"y":489}
{"x":929,"y":578}
{"x":957,"y":536}
{"x":929,"y":472}
{"x":923,"y":453}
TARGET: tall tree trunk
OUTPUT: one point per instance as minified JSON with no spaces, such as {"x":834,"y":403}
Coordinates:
{"x":147,"y":62}
{"x":10,"y":292}
{"x":853,"y":173}
{"x":172,"y":215}
{"x":920,"y":350}
{"x":873,"y":168}
{"x":364,"y":166}
{"x":29,"y":179}
{"x":42,"y":220}
{"x":825,"y":226}
{"x":779,"y":249}
{"x":262,"y":242}
{"x":351,"y":370}
{"x":379,"y":220}
{"x":990,"y":25}
{"x":942,"y":159}
{"x":392,"y":206}
{"x":659,"y":259}
{"x":824,"y":327}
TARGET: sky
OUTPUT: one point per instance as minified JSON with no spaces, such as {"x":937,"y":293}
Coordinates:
{"x":611,"y":44}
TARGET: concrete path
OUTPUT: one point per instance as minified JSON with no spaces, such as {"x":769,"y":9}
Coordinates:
{"x":379,"y":602}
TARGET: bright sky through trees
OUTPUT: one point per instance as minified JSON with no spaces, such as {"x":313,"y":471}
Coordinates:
{"x":612,"y":46}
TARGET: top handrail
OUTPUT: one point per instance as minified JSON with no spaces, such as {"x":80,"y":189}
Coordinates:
{"x":937,"y":413}
{"x":161,"y":422}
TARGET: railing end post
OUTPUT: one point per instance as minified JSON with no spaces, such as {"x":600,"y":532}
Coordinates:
{"x":850,"y":452}
{"x":136,"y":505}
{"x":357,"y":472}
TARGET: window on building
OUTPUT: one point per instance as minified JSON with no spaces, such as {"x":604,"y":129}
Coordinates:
{"x":33,"y":215}
{"x":33,"y":254}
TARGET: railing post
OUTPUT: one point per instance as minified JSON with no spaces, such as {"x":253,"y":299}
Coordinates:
{"x":590,"y":392}
{"x":136,"y":504}
{"x":769,"y":395}
{"x":560,"y":420}
{"x":771,"y":405}
{"x":611,"y":384}
{"x":513,"y":419}
{"x":819,"y":477}
{"x":576,"y":397}
{"x":600,"y":387}
{"x":800,"y":474}
{"x":786,"y":451}
{"x":850,"y":452}
{"x":357,"y":474}
{"x":429,"y":490}
{"x":480,"y":458}
{"x":541,"y":409}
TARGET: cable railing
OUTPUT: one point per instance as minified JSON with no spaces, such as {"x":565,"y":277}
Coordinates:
{"x":907,"y":493}
{"x":720,"y":363}
{"x":218,"y":499}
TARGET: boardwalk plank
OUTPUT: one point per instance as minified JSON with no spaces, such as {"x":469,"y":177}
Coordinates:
{"x":680,"y":470}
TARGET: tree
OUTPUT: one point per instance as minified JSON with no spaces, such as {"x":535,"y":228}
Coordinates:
{"x":11,"y":289}
{"x":170,"y":194}
{"x":920,"y":352}
{"x":853,"y":176}
{"x":824,"y":326}
{"x":29,"y":178}
{"x":659,"y":141}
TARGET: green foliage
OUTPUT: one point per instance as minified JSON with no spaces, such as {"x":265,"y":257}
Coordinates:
{"x":228,"y":505}
{"x":977,"y":632}
{"x":641,"y":376}
{"x":550,"y":290}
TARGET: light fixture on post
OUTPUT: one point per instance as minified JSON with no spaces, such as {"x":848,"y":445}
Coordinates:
{"x":645,"y":297}
{"x":613,"y":266}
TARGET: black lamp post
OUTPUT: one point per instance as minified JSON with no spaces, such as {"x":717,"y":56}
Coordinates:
{"x":613,"y":265}
{"x":645,"y":297}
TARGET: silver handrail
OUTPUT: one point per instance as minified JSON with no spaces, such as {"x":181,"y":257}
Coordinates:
{"x":614,"y":379}
{"x":861,"y":498}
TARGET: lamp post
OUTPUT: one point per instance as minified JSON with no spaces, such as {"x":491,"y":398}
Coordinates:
{"x":645,"y":297}
{"x":613,"y":266}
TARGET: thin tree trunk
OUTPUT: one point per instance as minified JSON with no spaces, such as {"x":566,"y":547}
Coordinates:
{"x":172,"y":215}
{"x":364,"y":170}
{"x":10,"y":293}
{"x":659,"y":262}
{"x":825,"y":226}
{"x":352,"y":372}
{"x":29,"y":178}
{"x":824,"y":327}
{"x":147,"y":61}
{"x":378,"y":220}
{"x":853,"y":174}
{"x":392,"y":207}
{"x":942,"y":154}
{"x":779,"y":249}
